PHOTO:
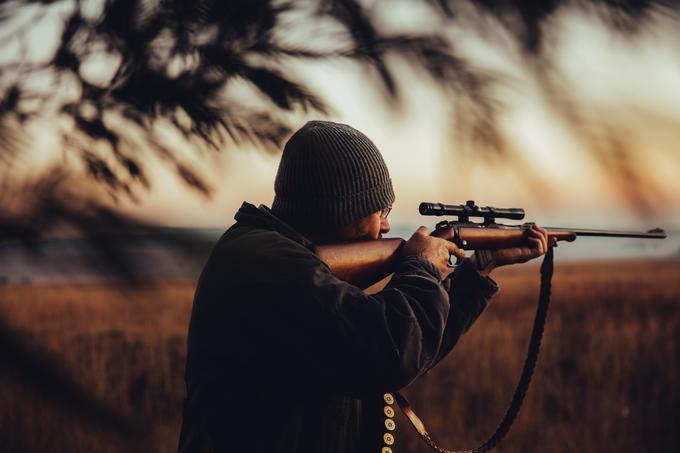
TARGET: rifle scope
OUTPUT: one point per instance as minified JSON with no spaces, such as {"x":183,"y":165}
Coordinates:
{"x":470,"y":209}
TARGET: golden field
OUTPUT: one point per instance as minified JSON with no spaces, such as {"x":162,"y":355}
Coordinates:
{"x":607,"y":379}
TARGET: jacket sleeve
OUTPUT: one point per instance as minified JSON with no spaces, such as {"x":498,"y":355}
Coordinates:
{"x":384,"y":341}
{"x":469,"y":294}
{"x":389,"y":339}
{"x":332,"y":332}
{"x":294,"y":314}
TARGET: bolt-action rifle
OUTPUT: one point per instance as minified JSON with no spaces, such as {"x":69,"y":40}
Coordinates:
{"x":366,"y":262}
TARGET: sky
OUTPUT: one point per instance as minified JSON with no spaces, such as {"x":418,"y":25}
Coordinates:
{"x":629,"y":86}
{"x":633,"y":87}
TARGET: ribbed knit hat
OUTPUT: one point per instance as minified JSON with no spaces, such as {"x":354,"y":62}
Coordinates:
{"x":330,"y":175}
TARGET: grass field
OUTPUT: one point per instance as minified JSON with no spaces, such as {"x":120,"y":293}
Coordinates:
{"x":607,"y":380}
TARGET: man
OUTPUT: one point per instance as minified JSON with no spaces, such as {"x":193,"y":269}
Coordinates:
{"x":283,"y":356}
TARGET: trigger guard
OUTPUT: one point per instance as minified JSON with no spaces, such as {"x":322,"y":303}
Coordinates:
{"x":452,"y":264}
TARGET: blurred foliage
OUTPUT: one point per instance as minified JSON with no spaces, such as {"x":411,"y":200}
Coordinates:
{"x":177,"y":64}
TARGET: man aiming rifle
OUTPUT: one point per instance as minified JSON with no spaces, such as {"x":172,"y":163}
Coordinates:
{"x":283,"y":356}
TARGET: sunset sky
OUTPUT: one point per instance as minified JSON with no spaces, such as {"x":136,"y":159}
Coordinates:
{"x":632,"y":86}
{"x":616,"y":83}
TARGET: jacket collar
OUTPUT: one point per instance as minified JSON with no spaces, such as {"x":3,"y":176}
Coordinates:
{"x":262,"y":217}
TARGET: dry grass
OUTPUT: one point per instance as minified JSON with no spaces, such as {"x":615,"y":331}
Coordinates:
{"x":607,"y":377}
{"x":127,"y":348}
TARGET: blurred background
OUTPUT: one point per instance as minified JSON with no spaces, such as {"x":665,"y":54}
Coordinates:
{"x":132,"y":130}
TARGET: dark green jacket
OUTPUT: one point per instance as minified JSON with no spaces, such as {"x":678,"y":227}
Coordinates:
{"x":284,"y":357}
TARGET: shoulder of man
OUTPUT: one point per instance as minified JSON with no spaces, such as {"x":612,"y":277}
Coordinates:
{"x":250,"y":247}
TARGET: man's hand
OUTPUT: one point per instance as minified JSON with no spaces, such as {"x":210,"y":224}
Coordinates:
{"x":536,"y":245}
{"x":436,"y":250}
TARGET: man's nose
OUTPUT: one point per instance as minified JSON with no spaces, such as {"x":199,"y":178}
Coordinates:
{"x":384,"y":226}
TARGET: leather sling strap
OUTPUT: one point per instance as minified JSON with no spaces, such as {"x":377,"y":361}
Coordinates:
{"x":522,"y":385}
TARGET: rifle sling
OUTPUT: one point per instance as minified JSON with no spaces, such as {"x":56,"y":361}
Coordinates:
{"x":522,"y":385}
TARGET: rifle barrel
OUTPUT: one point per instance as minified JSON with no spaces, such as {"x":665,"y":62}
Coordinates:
{"x":656,"y":233}
{"x":364,"y":263}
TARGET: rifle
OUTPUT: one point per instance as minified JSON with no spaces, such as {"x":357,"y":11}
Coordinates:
{"x":367,"y":262}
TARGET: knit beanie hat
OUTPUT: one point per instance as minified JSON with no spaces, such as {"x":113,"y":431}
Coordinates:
{"x":330,"y":175}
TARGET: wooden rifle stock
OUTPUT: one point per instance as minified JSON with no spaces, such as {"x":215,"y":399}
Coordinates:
{"x":364,"y":263}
